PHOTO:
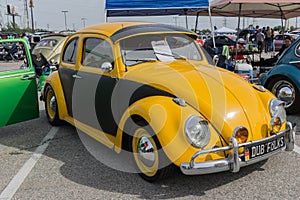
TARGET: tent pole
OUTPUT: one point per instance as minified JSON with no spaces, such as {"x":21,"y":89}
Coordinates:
{"x":196,"y":24}
{"x":238,"y":30}
{"x":211,"y":25}
{"x":186,"y":21}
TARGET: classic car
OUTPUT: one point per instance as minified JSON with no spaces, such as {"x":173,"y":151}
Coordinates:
{"x":50,"y":46}
{"x":146,"y":89}
{"x":220,"y":40}
{"x":18,"y":89}
{"x":283,"y":79}
{"x":279,"y":40}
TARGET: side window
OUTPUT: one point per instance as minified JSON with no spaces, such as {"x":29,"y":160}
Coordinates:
{"x":13,"y":56}
{"x":96,"y":52}
{"x":297,"y":50}
{"x":69,"y":55}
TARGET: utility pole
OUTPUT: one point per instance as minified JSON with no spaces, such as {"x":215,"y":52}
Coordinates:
{"x":31,"y":6}
{"x":65,"y":13}
{"x":26,"y":16}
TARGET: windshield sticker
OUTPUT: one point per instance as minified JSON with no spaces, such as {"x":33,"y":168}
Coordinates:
{"x":162,"y":50}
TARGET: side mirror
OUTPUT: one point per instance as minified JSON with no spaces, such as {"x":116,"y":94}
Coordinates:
{"x":215,"y":59}
{"x":106,"y":67}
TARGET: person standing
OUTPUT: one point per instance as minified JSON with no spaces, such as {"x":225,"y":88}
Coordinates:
{"x":260,"y":37}
{"x":268,"y":40}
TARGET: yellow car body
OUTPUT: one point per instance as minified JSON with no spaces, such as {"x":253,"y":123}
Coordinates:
{"x":205,"y":119}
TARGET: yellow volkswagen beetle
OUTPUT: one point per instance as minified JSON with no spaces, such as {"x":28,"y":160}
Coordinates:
{"x":147,"y":89}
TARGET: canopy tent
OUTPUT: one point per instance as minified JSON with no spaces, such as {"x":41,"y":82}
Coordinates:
{"x":225,"y":30}
{"x":118,"y":8}
{"x":284,"y":9}
{"x":280,"y":9}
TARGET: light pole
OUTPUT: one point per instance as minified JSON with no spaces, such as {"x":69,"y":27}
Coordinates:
{"x":31,"y":11}
{"x":83,"y":21}
{"x":65,"y":13}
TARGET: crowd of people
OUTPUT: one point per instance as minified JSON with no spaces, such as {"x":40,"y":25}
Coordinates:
{"x":265,"y":40}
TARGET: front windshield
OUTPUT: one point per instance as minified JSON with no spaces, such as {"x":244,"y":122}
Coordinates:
{"x":158,"y":47}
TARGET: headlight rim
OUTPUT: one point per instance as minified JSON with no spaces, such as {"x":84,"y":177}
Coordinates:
{"x":277,"y":109}
{"x":188,"y":136}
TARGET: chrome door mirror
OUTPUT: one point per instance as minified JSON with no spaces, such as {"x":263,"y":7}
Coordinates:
{"x":215,"y":59}
{"x":106,"y":67}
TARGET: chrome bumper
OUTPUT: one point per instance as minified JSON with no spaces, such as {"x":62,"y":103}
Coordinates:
{"x":234,"y":162}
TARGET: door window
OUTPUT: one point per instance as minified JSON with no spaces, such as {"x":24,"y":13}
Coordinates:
{"x":96,"y":52}
{"x":13,"y":56}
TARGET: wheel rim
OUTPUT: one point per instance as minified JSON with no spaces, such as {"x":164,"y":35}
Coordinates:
{"x":145,"y":152}
{"x":51,"y":104}
{"x":284,"y":91}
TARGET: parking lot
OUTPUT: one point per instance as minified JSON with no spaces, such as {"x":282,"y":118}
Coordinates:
{"x":39,"y":161}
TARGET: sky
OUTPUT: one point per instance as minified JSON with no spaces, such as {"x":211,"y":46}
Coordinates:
{"x":47,"y":14}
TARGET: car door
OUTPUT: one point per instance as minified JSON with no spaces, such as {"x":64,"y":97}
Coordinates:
{"x":68,"y":71}
{"x":93,"y":87}
{"x":18,"y":88}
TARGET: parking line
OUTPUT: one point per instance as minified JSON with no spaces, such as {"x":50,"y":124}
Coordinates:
{"x":19,"y":178}
{"x":297,"y":149}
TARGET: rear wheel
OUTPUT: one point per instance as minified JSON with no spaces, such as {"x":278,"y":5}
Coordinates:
{"x":285,"y":90}
{"x":151,"y":162}
{"x":51,"y":107}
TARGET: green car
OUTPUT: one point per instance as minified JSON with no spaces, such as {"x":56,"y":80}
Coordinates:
{"x":18,"y":88}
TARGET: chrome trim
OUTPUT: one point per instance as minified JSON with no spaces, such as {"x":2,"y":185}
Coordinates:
{"x":16,"y":75}
{"x":52,"y":103}
{"x":146,"y":151}
{"x":233,"y":163}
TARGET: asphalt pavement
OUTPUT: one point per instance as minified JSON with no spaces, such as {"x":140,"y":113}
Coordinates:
{"x":39,"y":161}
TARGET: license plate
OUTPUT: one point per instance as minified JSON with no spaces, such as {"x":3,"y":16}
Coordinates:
{"x":263,"y":148}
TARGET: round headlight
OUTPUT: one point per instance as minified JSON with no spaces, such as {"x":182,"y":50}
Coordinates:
{"x":277,"y":109}
{"x":197,"y":131}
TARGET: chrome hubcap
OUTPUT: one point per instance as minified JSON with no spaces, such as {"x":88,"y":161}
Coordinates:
{"x":284,"y":91}
{"x":52,"y":103}
{"x":146,"y":151}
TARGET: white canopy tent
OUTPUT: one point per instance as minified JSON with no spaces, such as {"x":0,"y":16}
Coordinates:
{"x":225,"y":30}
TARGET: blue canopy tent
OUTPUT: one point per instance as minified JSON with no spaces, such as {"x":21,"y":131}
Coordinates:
{"x":118,"y":8}
{"x":126,"y":8}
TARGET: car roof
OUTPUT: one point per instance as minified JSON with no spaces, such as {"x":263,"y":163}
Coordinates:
{"x":118,"y":30}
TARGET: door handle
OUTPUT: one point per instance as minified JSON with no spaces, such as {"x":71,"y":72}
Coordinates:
{"x":76,"y":76}
{"x":27,"y":77}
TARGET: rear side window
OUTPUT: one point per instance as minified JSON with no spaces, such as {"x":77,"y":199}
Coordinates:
{"x":69,"y":55}
{"x":297,"y":50}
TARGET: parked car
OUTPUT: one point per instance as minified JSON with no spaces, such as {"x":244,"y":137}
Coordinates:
{"x":37,"y":36}
{"x":279,"y":40}
{"x":147,"y":90}
{"x":50,"y":46}
{"x":283,"y":79}
{"x":201,"y":39}
{"x":220,"y":40}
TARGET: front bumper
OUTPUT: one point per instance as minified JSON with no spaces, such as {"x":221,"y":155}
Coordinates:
{"x":234,"y":162}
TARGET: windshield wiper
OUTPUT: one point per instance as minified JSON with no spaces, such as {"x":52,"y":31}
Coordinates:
{"x":139,"y":61}
{"x":174,"y":55}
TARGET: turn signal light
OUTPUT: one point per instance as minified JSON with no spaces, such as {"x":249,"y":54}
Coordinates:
{"x":241,"y":134}
{"x":276,"y":125}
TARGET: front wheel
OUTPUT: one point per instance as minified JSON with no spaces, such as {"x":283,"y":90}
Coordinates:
{"x":51,"y":107}
{"x":151,"y":162}
{"x":285,"y":90}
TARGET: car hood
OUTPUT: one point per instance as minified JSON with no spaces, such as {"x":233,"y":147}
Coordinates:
{"x":221,"y":96}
